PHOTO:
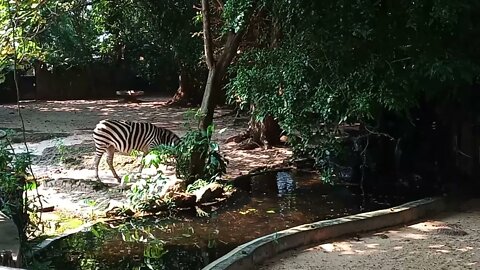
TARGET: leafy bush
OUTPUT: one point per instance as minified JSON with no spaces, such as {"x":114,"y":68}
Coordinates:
{"x":197,"y":141}
{"x":13,"y":184}
{"x":343,"y":62}
{"x":145,"y":192}
{"x":212,"y":166}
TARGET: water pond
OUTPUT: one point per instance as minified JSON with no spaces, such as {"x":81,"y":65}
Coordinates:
{"x":275,"y":201}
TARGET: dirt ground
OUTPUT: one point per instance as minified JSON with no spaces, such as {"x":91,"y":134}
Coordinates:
{"x":448,"y":241}
{"x":59,"y":135}
{"x":66,"y":127}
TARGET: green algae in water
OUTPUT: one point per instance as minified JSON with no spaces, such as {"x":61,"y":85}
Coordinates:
{"x":134,"y":246}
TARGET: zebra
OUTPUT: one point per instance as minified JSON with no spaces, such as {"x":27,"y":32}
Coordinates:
{"x":124,"y":136}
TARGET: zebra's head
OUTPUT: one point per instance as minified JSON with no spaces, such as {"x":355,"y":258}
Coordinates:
{"x":166,"y":137}
{"x":175,"y":140}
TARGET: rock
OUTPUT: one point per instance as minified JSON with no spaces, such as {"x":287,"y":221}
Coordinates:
{"x":171,"y":187}
{"x":284,"y":139}
{"x":117,"y":208}
{"x":118,"y":211}
{"x":115,"y":204}
{"x":157,"y":206}
{"x":184,"y":200}
{"x":209,"y":192}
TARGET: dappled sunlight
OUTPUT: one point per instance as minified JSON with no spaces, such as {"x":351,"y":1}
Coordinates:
{"x":444,"y":243}
{"x":429,"y":226}
{"x":348,"y":248}
{"x":244,"y":161}
{"x":397,"y":235}
{"x":74,"y":120}
{"x":59,"y":109}
{"x":73,"y":115}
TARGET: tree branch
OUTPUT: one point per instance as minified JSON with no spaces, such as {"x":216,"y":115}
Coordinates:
{"x":229,"y":51}
{"x":220,"y":4}
{"x":207,"y":35}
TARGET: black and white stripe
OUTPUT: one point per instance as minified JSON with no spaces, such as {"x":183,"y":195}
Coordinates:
{"x":123,"y":136}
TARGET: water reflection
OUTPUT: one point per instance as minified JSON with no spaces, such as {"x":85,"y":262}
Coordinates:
{"x":133,"y":246}
{"x":285,"y":183}
{"x":277,"y":201}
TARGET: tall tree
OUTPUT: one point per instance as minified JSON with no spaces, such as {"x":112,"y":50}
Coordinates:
{"x":153,"y":39}
{"x":20,"y":23}
{"x":235,"y":15}
{"x":354,"y":62}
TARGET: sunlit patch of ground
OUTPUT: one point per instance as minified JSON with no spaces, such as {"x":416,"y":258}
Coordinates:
{"x":79,"y":117}
{"x":69,"y":151}
{"x":450,"y":241}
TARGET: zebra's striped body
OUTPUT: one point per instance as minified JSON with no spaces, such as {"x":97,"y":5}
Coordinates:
{"x":123,"y":136}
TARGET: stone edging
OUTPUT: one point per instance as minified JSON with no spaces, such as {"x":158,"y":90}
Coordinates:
{"x":253,"y":253}
{"x":47,"y":242}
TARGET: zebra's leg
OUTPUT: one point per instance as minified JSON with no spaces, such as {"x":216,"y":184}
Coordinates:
{"x":110,"y":153}
{"x":98,"y":157}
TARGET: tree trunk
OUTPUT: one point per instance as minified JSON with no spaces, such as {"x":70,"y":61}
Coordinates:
{"x":198,"y":159}
{"x":217,"y":69}
{"x":208,"y":101}
{"x":187,"y":92}
{"x":266,"y":132}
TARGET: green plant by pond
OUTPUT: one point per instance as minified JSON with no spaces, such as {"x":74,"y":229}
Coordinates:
{"x":196,"y":150}
{"x":15,"y":179}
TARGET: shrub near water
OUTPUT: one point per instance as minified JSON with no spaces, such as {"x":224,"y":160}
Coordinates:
{"x":146,"y":193}
{"x":15,"y":182}
{"x":213,"y":165}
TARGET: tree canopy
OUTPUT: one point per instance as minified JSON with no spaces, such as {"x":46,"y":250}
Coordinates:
{"x":312,"y":66}
{"x":345,"y":62}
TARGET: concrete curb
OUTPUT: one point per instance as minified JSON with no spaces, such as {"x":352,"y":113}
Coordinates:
{"x":47,"y":242}
{"x":251,"y":254}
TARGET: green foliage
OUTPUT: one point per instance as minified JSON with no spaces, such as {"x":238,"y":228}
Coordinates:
{"x":200,"y":142}
{"x":19,"y":22}
{"x":152,"y":38}
{"x":159,"y":155}
{"x":194,"y":141}
{"x":13,"y":171}
{"x":76,"y":35}
{"x":341,"y":62}
{"x":146,"y":192}
{"x":15,"y":182}
{"x":235,"y":14}
{"x":61,"y":149}
{"x":148,"y":36}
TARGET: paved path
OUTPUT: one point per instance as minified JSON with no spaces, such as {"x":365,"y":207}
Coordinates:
{"x":448,"y":241}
